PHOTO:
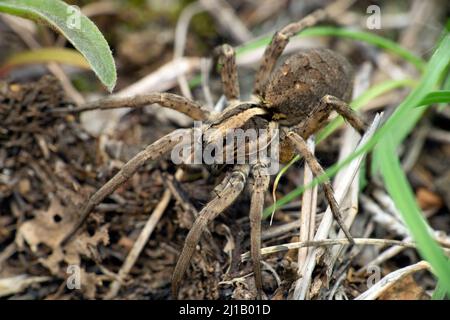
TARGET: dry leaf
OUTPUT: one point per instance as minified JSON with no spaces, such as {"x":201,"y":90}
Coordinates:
{"x":50,"y":227}
{"x":428,"y":200}
{"x":405,"y":289}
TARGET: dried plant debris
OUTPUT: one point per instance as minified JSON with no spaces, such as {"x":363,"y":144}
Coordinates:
{"x":43,"y":157}
{"x":50,"y":165}
{"x":49,"y":228}
{"x":405,"y":289}
{"x":37,"y":147}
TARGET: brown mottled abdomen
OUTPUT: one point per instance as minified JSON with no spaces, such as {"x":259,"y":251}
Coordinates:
{"x":297,"y":86}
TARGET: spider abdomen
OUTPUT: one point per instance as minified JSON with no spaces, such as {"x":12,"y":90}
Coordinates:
{"x":296,"y":87}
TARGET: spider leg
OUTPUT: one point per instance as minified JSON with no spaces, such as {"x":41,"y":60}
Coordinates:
{"x":223,"y":183}
{"x":228,"y":71}
{"x":316,"y":168}
{"x":168,"y":100}
{"x":152,"y":152}
{"x":217,"y":205}
{"x":346,"y":112}
{"x":353,"y":118}
{"x":281,"y":38}
{"x":261,"y":184}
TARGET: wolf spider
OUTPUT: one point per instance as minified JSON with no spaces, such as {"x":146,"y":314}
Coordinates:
{"x":298,"y":97}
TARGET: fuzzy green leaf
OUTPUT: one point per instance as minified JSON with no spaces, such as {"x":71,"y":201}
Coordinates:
{"x":77,"y":28}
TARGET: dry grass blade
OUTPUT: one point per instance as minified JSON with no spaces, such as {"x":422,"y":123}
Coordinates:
{"x":349,"y":204}
{"x":162,"y":79}
{"x":9,"y":286}
{"x":329,"y":242}
{"x":308,"y":211}
{"x":383,"y":218}
{"x":388,"y":281}
{"x":385,"y":255}
{"x":227,"y":19}
{"x":140,"y":243}
{"x":180,"y":42}
{"x":280,"y":230}
{"x":345,"y":178}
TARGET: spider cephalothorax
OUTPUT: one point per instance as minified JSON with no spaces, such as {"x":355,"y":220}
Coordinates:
{"x":297,"y":99}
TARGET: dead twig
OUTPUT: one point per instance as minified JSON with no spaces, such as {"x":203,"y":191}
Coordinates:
{"x":139,"y":244}
{"x":180,"y":41}
{"x":227,"y":19}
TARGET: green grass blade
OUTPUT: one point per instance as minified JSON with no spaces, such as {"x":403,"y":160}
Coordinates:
{"x":367,"y":37}
{"x":46,"y":55}
{"x":364,"y":99}
{"x":439,"y":293}
{"x":358,"y":103}
{"x":442,"y":96}
{"x":402,"y":194}
{"x":433,"y":72}
{"x":77,"y":28}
